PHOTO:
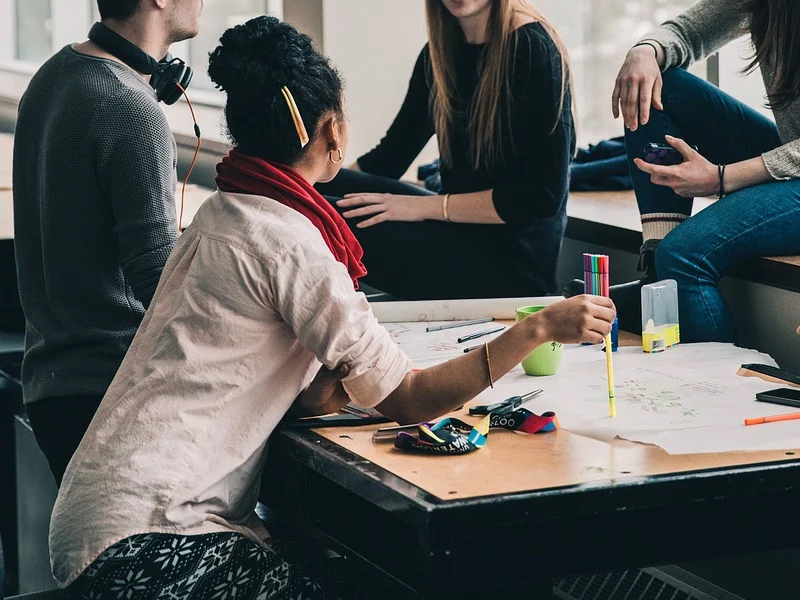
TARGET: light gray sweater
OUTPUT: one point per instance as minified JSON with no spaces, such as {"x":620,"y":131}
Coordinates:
{"x":702,"y":30}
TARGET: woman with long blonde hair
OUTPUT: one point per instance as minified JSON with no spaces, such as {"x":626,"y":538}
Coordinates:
{"x":493,"y":84}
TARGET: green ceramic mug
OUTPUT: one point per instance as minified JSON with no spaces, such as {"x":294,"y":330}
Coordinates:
{"x":546,"y":359}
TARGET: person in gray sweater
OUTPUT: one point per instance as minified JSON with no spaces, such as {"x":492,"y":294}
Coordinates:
{"x":749,"y":161}
{"x":94,"y":215}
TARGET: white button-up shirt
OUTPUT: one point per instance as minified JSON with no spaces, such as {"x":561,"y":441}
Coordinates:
{"x":249,"y":304}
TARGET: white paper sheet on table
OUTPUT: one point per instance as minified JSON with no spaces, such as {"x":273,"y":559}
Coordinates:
{"x":451,"y":310}
{"x":431,"y":348}
{"x":685,"y":400}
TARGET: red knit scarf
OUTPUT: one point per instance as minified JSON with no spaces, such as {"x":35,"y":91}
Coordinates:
{"x":244,"y":174}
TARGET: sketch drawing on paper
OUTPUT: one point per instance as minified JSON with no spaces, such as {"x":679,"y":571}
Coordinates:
{"x":648,"y":397}
{"x":397,"y":330}
{"x":430,"y":348}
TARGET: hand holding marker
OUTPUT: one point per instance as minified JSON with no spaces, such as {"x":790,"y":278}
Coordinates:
{"x":596,"y":282}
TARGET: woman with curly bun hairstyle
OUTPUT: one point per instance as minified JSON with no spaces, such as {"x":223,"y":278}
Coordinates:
{"x":256,"y":317}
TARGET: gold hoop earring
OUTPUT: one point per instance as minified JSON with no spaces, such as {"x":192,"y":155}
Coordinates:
{"x":340,"y":157}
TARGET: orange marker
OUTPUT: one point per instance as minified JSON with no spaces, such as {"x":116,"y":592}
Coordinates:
{"x":772,"y":419}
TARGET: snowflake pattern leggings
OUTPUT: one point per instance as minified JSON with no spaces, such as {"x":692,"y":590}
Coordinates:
{"x":216,"y":566}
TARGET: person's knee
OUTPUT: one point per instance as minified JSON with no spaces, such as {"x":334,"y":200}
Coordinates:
{"x":675,"y":258}
{"x":676,"y":81}
{"x":664,"y":261}
{"x":679,"y":256}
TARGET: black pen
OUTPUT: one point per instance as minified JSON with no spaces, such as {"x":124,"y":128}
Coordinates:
{"x":507,"y":405}
{"x":390,"y":433}
{"x":356,"y":411}
{"x":473,"y":336}
{"x":459,"y":324}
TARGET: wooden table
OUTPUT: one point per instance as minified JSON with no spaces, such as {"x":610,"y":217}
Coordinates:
{"x":505,"y":520}
{"x":6,"y":210}
{"x":612,"y":219}
{"x":6,"y":215}
{"x":6,"y":154}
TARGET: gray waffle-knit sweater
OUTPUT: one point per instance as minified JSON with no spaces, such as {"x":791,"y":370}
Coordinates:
{"x":702,"y":30}
{"x":94,"y":219}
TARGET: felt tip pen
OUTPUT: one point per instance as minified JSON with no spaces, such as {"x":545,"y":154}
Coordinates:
{"x":390,"y":433}
{"x":772,"y":419}
{"x":474,"y":336}
{"x":504,"y":406}
{"x":459,"y":324}
{"x":355,"y":411}
{"x":612,"y":399}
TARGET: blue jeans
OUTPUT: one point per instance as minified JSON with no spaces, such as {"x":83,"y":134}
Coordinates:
{"x":762,"y":220}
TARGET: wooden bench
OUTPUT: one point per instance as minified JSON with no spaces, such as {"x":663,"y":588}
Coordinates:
{"x":611,"y":219}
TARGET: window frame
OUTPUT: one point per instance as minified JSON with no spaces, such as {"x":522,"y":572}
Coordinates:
{"x":71,"y":20}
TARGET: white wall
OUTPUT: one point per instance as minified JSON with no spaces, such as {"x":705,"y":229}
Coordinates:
{"x":374,"y":43}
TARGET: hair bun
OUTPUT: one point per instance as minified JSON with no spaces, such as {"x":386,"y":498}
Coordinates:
{"x":264,"y":53}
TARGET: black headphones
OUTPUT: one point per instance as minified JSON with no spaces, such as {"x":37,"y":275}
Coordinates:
{"x":167,"y":76}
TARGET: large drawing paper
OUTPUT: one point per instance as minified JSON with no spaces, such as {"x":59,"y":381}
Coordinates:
{"x":452,"y":310}
{"x":687,"y":399}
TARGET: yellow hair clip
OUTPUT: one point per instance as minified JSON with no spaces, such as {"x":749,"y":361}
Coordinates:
{"x":298,"y":120}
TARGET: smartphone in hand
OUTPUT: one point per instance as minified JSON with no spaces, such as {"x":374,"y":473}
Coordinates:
{"x":662,"y":154}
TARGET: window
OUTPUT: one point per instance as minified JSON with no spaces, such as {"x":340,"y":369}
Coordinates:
{"x":598,"y":34}
{"x":34,"y":30}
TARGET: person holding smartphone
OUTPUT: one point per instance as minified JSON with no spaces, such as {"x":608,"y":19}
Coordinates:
{"x":750,"y":162}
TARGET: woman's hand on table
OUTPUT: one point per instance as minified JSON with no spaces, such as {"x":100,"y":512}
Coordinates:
{"x":389,"y":207}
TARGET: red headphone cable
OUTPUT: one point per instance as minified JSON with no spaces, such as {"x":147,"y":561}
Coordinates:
{"x":194,"y":159}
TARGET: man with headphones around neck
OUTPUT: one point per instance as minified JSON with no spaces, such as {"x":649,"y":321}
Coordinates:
{"x":94,"y":207}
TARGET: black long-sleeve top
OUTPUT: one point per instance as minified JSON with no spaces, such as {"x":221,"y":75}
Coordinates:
{"x":529,"y":189}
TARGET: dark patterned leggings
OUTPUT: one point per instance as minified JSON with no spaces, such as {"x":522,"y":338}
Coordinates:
{"x":216,"y":566}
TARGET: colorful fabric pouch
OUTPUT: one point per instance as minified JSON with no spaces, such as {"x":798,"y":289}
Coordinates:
{"x":454,"y":436}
